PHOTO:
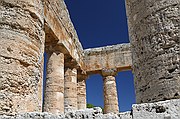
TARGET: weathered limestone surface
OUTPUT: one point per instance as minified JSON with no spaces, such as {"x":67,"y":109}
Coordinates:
{"x":155,"y":42}
{"x":155,"y":48}
{"x":21,"y":55}
{"x":115,"y":56}
{"x":58,"y":21}
{"x":70,"y":89}
{"x":95,"y":113}
{"x":110,"y":91}
{"x":54,"y":91}
{"x":169,"y":109}
{"x":110,"y":57}
{"x":81,"y":91}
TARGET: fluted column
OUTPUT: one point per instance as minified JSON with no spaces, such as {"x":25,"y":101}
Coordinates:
{"x":70,"y":89}
{"x":54,"y":92}
{"x":110,"y":91}
{"x":81,"y":91}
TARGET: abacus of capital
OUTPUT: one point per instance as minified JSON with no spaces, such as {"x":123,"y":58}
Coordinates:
{"x":29,"y":28}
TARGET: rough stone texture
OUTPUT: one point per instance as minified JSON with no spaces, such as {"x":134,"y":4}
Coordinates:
{"x":155,"y":41}
{"x":54,"y":91}
{"x":81,"y":91}
{"x":169,"y":109}
{"x":155,"y":44}
{"x":21,"y":55}
{"x":110,"y":91}
{"x":59,"y":22}
{"x":115,"y":56}
{"x":95,"y":113}
{"x":70,"y":89}
{"x":125,"y":115}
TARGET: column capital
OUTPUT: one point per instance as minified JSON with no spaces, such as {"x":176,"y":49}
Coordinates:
{"x":109,"y":72}
{"x":70,"y":71}
{"x":71,"y":63}
{"x":82,"y":76}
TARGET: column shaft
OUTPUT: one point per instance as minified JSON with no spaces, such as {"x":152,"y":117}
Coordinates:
{"x":110,"y":95}
{"x":154,"y":34}
{"x":70,"y":89}
{"x":54,"y":92}
{"x":81,"y":92}
{"x":21,"y":55}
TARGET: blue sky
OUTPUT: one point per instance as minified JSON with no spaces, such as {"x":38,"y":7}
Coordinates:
{"x":101,"y":23}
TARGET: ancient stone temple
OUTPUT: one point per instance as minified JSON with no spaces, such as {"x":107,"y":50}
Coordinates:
{"x":29,"y":28}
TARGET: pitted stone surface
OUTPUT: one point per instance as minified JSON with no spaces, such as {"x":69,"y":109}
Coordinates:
{"x":70,"y":89}
{"x":169,"y":109}
{"x":109,"y":72}
{"x":110,"y":91}
{"x":109,"y":57}
{"x":81,"y":91}
{"x":21,"y":55}
{"x":59,"y":22}
{"x":95,"y":113}
{"x":155,"y":42}
{"x":60,"y":8}
{"x":54,"y":91}
{"x":155,"y":50}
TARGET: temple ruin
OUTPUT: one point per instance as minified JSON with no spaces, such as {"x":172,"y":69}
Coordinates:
{"x":28,"y":28}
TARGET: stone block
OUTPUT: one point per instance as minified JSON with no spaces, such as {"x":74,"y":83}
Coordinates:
{"x":169,"y":109}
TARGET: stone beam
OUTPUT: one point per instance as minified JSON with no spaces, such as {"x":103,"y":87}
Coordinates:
{"x":59,"y":23}
{"x":115,"y":56}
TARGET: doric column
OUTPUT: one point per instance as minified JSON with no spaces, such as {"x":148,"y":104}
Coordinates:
{"x":21,"y":55}
{"x":110,"y":91}
{"x":54,"y":91}
{"x":154,"y":34}
{"x":81,"y":91}
{"x":70,"y":89}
